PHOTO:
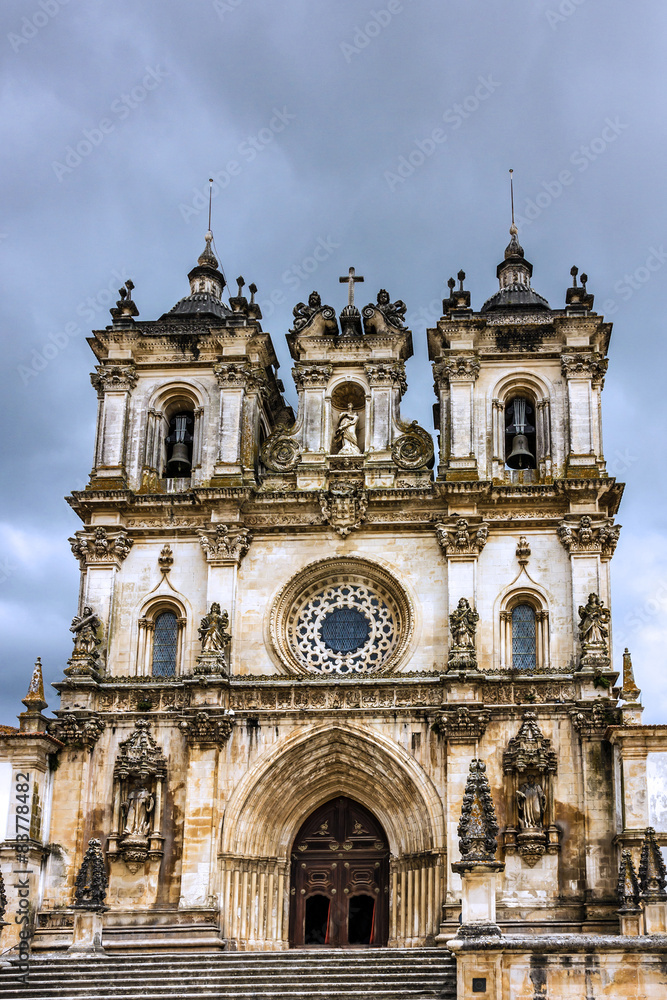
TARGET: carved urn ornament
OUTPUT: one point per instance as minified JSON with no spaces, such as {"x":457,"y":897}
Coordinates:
{"x":91,"y":883}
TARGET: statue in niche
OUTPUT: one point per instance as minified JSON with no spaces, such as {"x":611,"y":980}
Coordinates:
{"x":136,"y":812}
{"x":594,"y":621}
{"x":85,"y":628}
{"x":463,"y":623}
{"x":213,"y":630}
{"x":531,"y":804}
{"x":346,"y":433}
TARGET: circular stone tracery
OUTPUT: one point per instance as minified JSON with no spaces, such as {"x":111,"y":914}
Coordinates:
{"x":341,"y":617}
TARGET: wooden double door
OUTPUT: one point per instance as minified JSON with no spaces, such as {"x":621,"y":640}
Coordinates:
{"x":339,"y":892}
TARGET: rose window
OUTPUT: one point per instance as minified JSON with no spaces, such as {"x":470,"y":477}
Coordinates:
{"x":341,"y":617}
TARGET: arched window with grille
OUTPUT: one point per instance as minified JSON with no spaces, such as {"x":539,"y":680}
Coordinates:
{"x":524,"y":638}
{"x":165,"y":645}
{"x":524,"y":632}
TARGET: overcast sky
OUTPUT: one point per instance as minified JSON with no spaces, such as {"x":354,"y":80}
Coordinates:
{"x":317,"y":119}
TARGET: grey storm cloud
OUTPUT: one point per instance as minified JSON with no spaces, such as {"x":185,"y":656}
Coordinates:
{"x":338,"y":133}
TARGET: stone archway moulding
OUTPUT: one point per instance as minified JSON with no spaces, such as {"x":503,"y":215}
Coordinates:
{"x":315,"y":764}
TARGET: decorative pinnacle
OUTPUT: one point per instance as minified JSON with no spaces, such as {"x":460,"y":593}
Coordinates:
{"x":574,"y":271}
{"x":630,"y":691}
{"x":34,"y":699}
{"x":207,"y":257}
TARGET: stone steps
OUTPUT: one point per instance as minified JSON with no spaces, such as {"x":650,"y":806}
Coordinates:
{"x":379,"y":974}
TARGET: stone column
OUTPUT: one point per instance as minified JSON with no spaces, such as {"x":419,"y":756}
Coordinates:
{"x":458,"y":375}
{"x":583,"y":372}
{"x":113,"y":382}
{"x":206,"y":733}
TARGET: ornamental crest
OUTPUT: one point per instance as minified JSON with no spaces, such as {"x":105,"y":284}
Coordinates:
{"x":344,"y":508}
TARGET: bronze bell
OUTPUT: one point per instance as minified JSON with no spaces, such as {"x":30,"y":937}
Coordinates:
{"x":178,"y":466}
{"x":520,"y":457}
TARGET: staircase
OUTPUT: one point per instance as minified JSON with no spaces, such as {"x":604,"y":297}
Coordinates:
{"x":378,"y":974}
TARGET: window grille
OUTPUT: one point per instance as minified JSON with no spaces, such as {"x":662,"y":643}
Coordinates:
{"x":523,"y":638}
{"x":165,"y":641}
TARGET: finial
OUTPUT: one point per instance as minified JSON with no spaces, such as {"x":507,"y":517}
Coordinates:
{"x":253,"y":291}
{"x":207,"y":256}
{"x":240,"y":282}
{"x":210,"y":199}
{"x":584,"y":279}
{"x":451,"y":284}
{"x":629,"y":691}
{"x":462,"y":277}
{"x":574,"y":271}
{"x":513,"y":229}
{"x":35,"y":699}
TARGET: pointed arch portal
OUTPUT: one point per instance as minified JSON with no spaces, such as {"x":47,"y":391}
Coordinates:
{"x":291,"y":786}
{"x":339,"y":892}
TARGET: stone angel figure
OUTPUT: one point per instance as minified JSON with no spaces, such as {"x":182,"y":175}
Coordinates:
{"x":594,"y":621}
{"x":86,"y":627}
{"x":213,"y":630}
{"x":463,"y":624}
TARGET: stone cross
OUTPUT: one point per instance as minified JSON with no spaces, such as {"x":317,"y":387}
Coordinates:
{"x":350,"y":279}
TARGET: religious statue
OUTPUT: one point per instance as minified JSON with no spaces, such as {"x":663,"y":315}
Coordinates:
{"x":463,"y":624}
{"x":213,"y":630}
{"x":594,"y":621}
{"x":136,"y":812}
{"x":346,"y":433}
{"x":393,"y":312}
{"x":531,"y":803}
{"x":85,"y":628}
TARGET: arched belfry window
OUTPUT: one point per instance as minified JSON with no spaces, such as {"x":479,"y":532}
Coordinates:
{"x":524,"y":638}
{"x":520,"y":437}
{"x":179,"y":445}
{"x":165,"y":645}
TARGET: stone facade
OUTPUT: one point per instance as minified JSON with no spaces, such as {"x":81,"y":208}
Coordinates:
{"x":281,"y":611}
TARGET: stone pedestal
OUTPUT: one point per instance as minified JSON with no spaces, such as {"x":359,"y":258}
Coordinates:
{"x":655,"y":918}
{"x":478,"y":901}
{"x":631,"y":921}
{"x":87,"y":934}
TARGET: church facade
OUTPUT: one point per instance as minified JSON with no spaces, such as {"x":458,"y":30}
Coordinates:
{"x":298,"y":636}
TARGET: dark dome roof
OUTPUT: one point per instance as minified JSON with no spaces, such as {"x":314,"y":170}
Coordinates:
{"x":199,"y":304}
{"x":515,"y":296}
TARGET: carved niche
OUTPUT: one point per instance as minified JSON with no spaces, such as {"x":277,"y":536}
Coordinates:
{"x":139,"y":776}
{"x":529,"y":762}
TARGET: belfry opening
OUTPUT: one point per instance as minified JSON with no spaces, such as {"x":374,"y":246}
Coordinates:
{"x":339,"y":891}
